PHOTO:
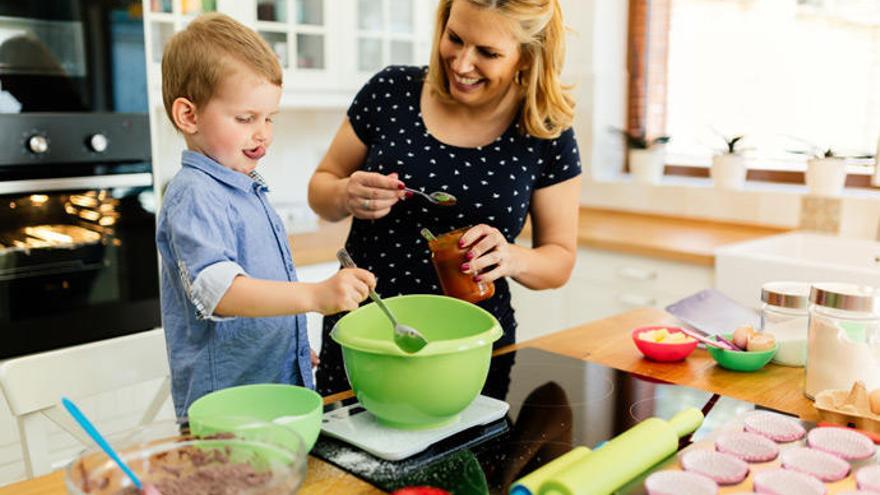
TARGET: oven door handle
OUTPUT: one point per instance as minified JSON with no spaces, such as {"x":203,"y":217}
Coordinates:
{"x":72,"y":183}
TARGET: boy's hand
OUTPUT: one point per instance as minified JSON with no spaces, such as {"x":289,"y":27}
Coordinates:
{"x":344,"y":291}
{"x":315,"y":359}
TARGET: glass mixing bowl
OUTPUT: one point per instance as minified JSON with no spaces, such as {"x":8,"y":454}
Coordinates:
{"x":258,"y":458}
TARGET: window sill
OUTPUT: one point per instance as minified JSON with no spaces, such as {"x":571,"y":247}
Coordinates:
{"x":674,"y":181}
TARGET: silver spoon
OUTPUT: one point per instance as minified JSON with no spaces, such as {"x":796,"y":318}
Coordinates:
{"x":439,"y":198}
{"x":407,"y":338}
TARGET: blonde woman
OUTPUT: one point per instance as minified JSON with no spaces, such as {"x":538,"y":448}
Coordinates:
{"x":487,"y":121}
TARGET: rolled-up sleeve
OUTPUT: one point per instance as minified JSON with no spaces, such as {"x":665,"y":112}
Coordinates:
{"x":203,"y":242}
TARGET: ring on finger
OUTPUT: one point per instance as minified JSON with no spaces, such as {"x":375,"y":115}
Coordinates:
{"x":365,"y":204}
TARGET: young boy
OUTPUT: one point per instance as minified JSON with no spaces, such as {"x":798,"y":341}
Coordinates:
{"x":231,"y":304}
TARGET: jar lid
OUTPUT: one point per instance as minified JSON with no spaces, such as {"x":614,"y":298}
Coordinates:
{"x":848,"y":297}
{"x":793,"y":295}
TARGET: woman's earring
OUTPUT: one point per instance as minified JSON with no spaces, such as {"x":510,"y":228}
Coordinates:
{"x":517,"y":78}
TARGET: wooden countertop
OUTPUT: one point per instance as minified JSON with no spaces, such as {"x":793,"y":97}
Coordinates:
{"x":608,"y":342}
{"x":679,"y":239}
{"x":604,"y":341}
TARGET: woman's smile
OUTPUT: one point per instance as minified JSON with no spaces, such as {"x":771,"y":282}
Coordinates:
{"x":466,"y":84}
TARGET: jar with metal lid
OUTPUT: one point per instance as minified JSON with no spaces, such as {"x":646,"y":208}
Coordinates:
{"x":844,"y":337}
{"x":784,"y":314}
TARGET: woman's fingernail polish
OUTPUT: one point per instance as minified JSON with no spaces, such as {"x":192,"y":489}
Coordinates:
{"x":465,"y":267}
{"x":478,"y":278}
{"x":400,"y":185}
{"x":469,"y":255}
{"x":409,"y":194}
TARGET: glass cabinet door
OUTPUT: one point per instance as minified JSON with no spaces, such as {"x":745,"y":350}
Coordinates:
{"x":296,"y":30}
{"x":386,"y":33}
{"x":163,"y":18}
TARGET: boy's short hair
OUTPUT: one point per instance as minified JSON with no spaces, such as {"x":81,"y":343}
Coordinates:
{"x":196,"y":59}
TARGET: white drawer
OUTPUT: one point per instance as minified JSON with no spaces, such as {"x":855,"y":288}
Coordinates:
{"x":621,"y":270}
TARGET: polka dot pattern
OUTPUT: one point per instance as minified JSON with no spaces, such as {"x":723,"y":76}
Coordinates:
{"x":493,"y":185}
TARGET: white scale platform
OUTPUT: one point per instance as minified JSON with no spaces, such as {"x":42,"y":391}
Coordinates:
{"x":354,"y":425}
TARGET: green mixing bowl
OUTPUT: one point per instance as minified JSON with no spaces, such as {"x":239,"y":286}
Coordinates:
{"x":297,"y":408}
{"x":741,"y":360}
{"x":431,"y":387}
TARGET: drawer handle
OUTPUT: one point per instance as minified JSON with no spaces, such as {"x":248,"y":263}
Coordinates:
{"x":635,"y":273}
{"x":635,"y":300}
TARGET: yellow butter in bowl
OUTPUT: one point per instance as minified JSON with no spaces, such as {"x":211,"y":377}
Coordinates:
{"x":664,"y":336}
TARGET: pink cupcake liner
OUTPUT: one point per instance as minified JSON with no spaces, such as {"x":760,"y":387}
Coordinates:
{"x":776,"y":427}
{"x":725,"y":469}
{"x":749,"y":447}
{"x":679,"y":483}
{"x":816,"y":463}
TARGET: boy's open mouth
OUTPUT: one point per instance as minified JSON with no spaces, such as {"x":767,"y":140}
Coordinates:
{"x":255,"y":153}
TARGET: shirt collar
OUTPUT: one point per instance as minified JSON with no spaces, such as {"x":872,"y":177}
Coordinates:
{"x":228,"y":176}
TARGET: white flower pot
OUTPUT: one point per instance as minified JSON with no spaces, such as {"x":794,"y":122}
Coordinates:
{"x":826,"y":176}
{"x":646,"y":166}
{"x":728,"y":171}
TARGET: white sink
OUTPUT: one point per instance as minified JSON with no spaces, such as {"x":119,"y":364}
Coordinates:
{"x":741,"y":269}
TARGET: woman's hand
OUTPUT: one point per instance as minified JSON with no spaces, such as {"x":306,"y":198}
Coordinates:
{"x":488,"y":249}
{"x":370,"y":195}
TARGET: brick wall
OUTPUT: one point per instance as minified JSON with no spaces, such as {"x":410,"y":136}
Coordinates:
{"x":647,"y":53}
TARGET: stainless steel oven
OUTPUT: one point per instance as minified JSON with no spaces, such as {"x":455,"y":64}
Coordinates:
{"x":77,"y":252}
{"x":78,"y":260}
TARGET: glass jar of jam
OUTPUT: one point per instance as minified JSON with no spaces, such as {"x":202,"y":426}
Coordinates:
{"x":448,"y":257}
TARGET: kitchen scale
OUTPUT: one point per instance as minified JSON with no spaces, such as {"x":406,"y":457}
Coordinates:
{"x":356,"y":426}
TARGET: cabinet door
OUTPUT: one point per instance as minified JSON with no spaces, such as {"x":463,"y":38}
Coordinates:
{"x":537,"y":312}
{"x":609,"y":283}
{"x":390,"y":32}
{"x":163,"y":18}
{"x":301,"y":33}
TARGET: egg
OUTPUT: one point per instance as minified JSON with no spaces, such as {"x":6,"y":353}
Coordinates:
{"x":741,"y":336}
{"x":761,"y":342}
{"x":875,"y":401}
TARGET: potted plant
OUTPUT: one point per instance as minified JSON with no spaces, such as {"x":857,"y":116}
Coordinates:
{"x":826,"y":173}
{"x":646,"y":156}
{"x":826,"y":170}
{"x":729,"y":166}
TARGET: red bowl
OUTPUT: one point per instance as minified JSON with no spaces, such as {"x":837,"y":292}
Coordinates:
{"x":657,"y":351}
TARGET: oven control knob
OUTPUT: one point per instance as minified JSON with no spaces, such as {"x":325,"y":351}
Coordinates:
{"x":98,"y":142}
{"x":38,"y":144}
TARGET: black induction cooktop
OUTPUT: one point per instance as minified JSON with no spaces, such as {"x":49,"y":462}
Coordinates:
{"x":556,"y":403}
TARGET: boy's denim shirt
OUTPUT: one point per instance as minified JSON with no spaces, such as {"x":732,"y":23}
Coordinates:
{"x":216,"y":224}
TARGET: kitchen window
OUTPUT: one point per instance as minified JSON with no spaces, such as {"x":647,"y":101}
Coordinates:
{"x":786,"y":73}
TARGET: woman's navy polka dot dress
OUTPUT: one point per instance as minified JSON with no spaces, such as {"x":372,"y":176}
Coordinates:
{"x":493,"y":184}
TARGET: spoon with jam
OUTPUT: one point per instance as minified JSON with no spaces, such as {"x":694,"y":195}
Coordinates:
{"x":439,"y":198}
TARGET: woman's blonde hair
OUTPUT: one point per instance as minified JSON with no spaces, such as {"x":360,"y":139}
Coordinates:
{"x":195,"y":60}
{"x":548,"y":109}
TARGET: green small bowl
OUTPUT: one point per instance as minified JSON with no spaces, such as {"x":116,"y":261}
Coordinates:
{"x":297,"y":408}
{"x":741,"y":360}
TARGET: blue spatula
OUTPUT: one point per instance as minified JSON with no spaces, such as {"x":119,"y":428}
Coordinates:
{"x":93,"y":432}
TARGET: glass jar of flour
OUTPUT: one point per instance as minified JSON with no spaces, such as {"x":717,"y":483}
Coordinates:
{"x":784,"y":314}
{"x":844,"y":337}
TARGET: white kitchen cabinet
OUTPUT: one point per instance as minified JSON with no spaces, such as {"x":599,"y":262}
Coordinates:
{"x":602,"y":284}
{"x":327,"y":48}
